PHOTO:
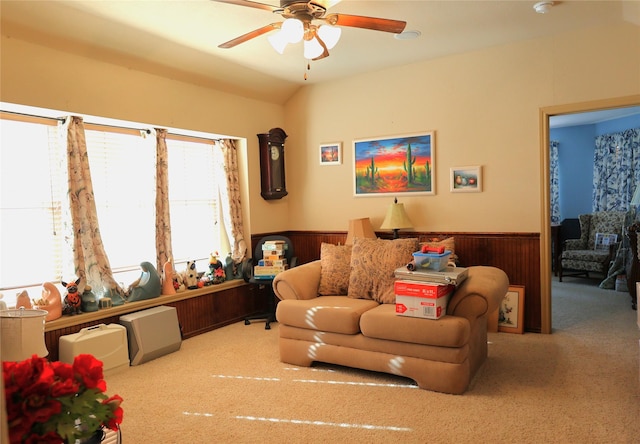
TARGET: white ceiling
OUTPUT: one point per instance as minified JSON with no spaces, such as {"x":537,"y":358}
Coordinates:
{"x":180,"y":38}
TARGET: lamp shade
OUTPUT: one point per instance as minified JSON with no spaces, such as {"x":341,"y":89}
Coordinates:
{"x":293,"y":30}
{"x":396,"y":217}
{"x":360,"y":228}
{"x":329,"y":35}
{"x":278,"y":41}
{"x":22,"y":334}
{"x":312,"y":49}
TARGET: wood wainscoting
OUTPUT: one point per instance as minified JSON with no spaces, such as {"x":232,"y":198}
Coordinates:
{"x":198,"y":311}
{"x":518,"y":254}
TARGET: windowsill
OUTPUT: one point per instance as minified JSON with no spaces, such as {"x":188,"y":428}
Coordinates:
{"x":128,"y":307}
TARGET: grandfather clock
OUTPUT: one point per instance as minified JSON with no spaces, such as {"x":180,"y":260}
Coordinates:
{"x":272,"y":179}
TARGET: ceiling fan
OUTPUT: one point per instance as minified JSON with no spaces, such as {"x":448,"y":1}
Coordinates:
{"x":299,"y":25}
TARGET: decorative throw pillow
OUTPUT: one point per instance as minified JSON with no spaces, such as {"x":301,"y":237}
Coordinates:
{"x":448,"y":244}
{"x":335,"y":267}
{"x":373,"y":262}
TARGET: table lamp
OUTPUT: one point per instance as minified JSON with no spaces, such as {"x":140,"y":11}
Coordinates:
{"x":22,"y":334}
{"x":360,"y":228}
{"x":396,"y":218}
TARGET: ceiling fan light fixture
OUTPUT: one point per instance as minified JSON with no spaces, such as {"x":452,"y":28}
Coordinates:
{"x":329,"y":35}
{"x":278,"y":41}
{"x":312,"y":48}
{"x":543,"y":7}
{"x":292,"y":30}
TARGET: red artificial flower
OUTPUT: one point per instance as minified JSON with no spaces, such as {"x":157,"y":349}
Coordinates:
{"x":90,"y":371}
{"x":45,"y":399}
{"x":219,"y":272}
{"x":118,"y":413}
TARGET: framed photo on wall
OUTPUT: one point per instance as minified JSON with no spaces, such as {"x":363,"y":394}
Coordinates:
{"x":511,"y":311}
{"x":398,"y":165}
{"x":331,"y":153}
{"x":466,"y":179}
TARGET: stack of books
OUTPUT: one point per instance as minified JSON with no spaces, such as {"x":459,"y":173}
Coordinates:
{"x":273,"y":260}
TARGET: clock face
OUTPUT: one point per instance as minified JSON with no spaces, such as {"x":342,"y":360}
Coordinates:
{"x":275,"y":153}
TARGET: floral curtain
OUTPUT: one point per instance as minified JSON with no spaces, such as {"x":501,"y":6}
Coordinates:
{"x":230,"y":201}
{"x":164,"y":251}
{"x":616,"y":170}
{"x":554,"y":179}
{"x":90,"y":260}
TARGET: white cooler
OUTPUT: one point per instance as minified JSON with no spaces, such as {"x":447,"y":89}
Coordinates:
{"x":107,"y":343}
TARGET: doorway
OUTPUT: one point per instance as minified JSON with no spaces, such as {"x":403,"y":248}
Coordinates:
{"x":545,"y":235}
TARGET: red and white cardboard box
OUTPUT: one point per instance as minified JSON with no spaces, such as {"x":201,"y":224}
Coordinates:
{"x":421,"y":299}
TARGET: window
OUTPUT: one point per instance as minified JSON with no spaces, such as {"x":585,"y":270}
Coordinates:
{"x":32,"y":182}
{"x":123,"y":173}
{"x":122,"y":163}
{"x":193,"y":198}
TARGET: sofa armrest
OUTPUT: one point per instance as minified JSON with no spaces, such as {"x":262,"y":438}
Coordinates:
{"x":480,"y":293}
{"x":300,"y":282}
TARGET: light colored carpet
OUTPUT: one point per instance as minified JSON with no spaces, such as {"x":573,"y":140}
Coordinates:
{"x":577,"y":385}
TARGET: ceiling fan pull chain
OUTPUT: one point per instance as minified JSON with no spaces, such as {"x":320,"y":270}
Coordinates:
{"x":308,"y":69}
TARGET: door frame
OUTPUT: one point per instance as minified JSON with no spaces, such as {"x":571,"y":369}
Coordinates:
{"x":545,"y":234}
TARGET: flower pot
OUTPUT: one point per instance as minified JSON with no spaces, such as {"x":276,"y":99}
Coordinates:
{"x":96,"y":438}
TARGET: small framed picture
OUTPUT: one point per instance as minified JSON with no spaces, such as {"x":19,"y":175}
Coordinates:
{"x":511,"y":311}
{"x":466,"y":179}
{"x":331,"y":153}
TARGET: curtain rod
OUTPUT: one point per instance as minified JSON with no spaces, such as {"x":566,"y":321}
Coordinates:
{"x":146,"y":130}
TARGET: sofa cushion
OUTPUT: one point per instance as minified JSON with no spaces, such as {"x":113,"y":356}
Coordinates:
{"x":448,"y":243}
{"x":335,"y":267}
{"x":338,"y":314}
{"x":373,"y":262}
{"x":382,"y":322}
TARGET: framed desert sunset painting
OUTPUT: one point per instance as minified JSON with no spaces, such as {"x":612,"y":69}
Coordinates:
{"x":331,"y":153}
{"x":394,"y":165}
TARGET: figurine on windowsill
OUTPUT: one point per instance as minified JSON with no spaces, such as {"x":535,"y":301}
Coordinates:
{"x":72,"y":303}
{"x":190,"y":276}
{"x":147,"y":286}
{"x":168,"y":273}
{"x":216,"y":270}
{"x":51,"y":301}
{"x":89,"y":300}
{"x":22,"y":300}
{"x":115,"y":295}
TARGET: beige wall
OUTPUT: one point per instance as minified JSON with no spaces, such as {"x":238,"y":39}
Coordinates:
{"x":35,"y":75}
{"x":484,"y":107}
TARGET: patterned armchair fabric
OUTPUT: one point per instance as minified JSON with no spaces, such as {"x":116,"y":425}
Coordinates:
{"x":580,"y":256}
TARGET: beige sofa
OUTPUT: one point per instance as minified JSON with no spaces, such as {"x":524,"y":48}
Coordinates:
{"x":441,"y":355}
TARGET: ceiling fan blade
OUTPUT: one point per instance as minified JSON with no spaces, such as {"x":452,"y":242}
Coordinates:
{"x":250,"y":35}
{"x":373,"y":23}
{"x":250,"y":4}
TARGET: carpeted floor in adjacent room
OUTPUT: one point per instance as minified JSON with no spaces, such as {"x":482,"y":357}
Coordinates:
{"x":577,"y":385}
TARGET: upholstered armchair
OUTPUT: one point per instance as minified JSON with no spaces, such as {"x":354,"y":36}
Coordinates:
{"x":580,"y":256}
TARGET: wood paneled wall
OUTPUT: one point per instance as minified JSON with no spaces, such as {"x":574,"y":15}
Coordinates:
{"x":518,"y":254}
{"x":196,"y":315}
